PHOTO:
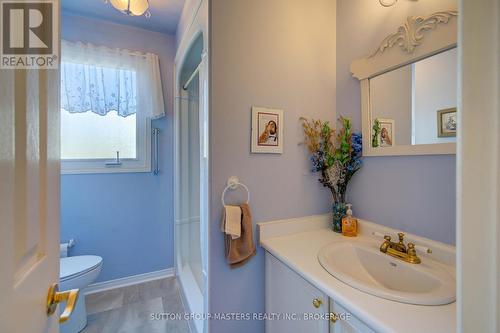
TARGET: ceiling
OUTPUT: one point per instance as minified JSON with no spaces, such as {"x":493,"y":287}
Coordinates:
{"x":164,"y":13}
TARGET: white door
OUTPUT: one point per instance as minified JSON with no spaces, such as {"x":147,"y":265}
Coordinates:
{"x":29,"y":198}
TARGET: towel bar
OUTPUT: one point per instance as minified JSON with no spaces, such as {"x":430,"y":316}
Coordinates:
{"x":233,"y":183}
{"x":156,"y":148}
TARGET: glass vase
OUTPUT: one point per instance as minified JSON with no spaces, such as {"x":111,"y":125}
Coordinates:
{"x":339,"y":210}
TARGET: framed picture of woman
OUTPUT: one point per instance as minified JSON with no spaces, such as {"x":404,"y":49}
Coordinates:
{"x":387,"y":131}
{"x":267,"y":130}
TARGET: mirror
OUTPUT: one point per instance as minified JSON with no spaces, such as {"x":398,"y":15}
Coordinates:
{"x":409,"y":89}
{"x":416,"y":104}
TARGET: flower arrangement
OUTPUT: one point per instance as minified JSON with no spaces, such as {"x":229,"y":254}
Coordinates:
{"x":337,"y":156}
{"x":376,"y":132}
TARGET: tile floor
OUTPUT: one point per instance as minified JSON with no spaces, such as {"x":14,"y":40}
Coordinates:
{"x":129,"y":309}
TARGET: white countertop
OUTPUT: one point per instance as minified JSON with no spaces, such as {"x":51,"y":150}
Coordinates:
{"x":298,"y":247}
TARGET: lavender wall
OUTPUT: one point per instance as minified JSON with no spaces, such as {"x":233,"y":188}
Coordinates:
{"x":278,"y":54}
{"x":412,"y":193}
{"x":282,"y":54}
{"x":125,"y":218}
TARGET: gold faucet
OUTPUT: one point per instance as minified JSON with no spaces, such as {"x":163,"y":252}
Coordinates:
{"x":400,"y":250}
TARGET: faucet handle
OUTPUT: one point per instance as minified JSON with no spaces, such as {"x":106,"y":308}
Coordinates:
{"x":401,"y":237}
{"x":387,"y":238}
{"x":411,"y":250}
{"x":423,"y":249}
{"x":412,"y":254}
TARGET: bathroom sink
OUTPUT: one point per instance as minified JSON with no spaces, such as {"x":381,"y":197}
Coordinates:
{"x":362,"y":266}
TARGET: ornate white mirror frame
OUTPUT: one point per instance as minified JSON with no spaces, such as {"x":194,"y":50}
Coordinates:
{"x":418,"y":38}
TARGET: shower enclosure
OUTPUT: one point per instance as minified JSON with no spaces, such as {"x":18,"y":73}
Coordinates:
{"x":191,"y":179}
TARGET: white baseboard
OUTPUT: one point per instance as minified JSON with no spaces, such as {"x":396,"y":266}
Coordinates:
{"x":128,"y":281}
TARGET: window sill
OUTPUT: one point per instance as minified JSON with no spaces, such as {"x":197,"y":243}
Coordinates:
{"x":71,"y":168}
{"x":104,"y":171}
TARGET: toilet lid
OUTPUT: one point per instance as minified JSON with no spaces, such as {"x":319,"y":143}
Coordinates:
{"x":77,"y":265}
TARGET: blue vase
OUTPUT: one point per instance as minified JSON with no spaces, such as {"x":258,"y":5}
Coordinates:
{"x":339,"y":210}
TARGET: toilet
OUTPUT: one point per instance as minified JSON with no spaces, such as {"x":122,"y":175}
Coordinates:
{"x":78,"y":272}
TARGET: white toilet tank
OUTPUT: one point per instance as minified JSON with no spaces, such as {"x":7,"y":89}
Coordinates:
{"x":78,"y":272}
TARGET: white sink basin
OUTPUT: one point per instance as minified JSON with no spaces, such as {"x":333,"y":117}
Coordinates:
{"x":362,"y":266}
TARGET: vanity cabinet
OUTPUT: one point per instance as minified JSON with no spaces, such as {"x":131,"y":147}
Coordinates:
{"x":288,"y":294}
{"x":309,"y":310}
{"x":344,"y":322}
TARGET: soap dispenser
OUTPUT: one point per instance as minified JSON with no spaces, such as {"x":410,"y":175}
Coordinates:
{"x":349,"y":224}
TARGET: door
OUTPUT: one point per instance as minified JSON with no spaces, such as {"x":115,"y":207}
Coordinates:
{"x":29,"y":198}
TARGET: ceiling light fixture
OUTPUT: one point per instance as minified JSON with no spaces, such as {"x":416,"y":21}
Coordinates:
{"x":388,"y":3}
{"x":132,"y":7}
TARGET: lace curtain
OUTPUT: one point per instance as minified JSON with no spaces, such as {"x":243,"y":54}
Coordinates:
{"x":100,"y":80}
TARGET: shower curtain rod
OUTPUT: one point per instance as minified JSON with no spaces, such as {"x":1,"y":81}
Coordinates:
{"x":191,"y":77}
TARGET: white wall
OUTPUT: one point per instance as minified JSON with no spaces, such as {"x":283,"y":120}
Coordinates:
{"x":391,"y":97}
{"x":478,"y":249}
{"x":435,"y":88}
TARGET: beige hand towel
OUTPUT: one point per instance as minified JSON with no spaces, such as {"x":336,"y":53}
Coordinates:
{"x":231,"y":221}
{"x":240,"y":250}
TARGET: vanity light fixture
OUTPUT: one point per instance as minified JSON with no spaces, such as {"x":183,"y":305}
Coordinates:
{"x":132,"y":7}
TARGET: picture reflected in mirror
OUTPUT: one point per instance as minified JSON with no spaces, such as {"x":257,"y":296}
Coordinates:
{"x":416,"y":104}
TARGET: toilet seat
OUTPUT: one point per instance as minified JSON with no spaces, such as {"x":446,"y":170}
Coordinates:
{"x":72,"y":267}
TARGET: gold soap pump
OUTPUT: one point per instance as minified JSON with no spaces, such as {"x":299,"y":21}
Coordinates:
{"x":349,"y":224}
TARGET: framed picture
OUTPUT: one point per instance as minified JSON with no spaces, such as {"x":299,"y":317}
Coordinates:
{"x":387,"y":133}
{"x":267,"y":130}
{"x":447,"y":122}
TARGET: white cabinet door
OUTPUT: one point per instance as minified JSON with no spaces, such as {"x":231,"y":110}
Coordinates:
{"x":345,"y":322}
{"x":291,"y":297}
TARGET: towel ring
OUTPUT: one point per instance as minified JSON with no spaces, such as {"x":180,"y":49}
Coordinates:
{"x":233,"y":183}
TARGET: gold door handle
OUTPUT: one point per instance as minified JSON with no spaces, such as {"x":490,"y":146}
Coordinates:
{"x":55,"y":297}
{"x":333,"y":317}
{"x":317,"y":303}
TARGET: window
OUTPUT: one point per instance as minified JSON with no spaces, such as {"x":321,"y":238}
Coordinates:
{"x":91,"y":136}
{"x":108,"y":97}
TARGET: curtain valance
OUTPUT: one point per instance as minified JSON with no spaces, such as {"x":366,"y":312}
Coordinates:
{"x":101,"y":79}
